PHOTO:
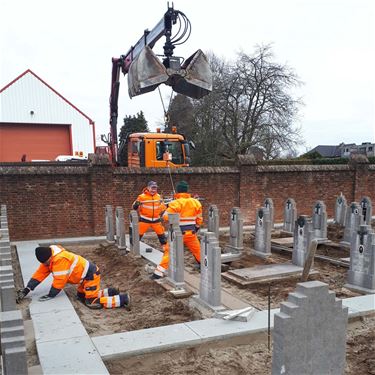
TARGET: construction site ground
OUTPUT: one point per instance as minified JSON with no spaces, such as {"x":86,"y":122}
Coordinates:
{"x":153,"y":306}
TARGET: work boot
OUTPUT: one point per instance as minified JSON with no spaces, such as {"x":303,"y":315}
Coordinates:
{"x":113,"y":291}
{"x":154,"y":276}
{"x":125,"y":301}
{"x":197,"y":266}
{"x":81,"y":297}
{"x":93,"y":303}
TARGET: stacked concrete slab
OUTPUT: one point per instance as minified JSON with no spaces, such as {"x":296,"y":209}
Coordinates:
{"x":309,"y":334}
{"x":13,"y":347}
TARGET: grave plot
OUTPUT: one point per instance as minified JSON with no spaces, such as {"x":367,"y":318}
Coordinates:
{"x":152,"y":305}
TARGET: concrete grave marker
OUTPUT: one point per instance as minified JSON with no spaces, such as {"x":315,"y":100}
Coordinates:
{"x":213,"y":220}
{"x":353,"y":221}
{"x":176,"y":252}
{"x":210,"y":282}
{"x":134,"y":233}
{"x":361,"y":274}
{"x":303,"y":234}
{"x":290,"y":215}
{"x":263,"y":225}
{"x":309,"y":335}
{"x":366,"y":210}
{"x":120,"y":228}
{"x":109,"y":226}
{"x":319,"y":222}
{"x":341,"y":208}
{"x":268,"y":205}
{"x":236,"y":230}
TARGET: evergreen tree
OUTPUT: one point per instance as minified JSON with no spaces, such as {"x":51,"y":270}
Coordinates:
{"x":132,"y":124}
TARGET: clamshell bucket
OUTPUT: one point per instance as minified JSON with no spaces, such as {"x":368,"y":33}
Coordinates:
{"x":193,"y":78}
{"x":145,"y":73}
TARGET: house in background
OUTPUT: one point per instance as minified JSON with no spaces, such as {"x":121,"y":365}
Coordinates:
{"x":38,"y":123}
{"x":344,"y":150}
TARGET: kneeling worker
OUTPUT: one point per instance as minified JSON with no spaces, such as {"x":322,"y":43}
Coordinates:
{"x":190,"y":210}
{"x":67,"y":267}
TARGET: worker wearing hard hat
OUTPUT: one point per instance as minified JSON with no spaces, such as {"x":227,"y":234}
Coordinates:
{"x":150,"y":208}
{"x":69,"y":268}
{"x":190,"y":211}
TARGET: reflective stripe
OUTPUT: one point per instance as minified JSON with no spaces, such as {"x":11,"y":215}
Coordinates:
{"x":109,"y":303}
{"x":187,"y":222}
{"x":73,"y":264}
{"x":149,"y":218}
{"x":188,"y":218}
{"x":151,"y":207}
{"x":56,"y":249}
{"x":84,"y":273}
{"x":59,"y":273}
{"x":159,"y":270}
{"x":152,"y":201}
{"x":117,"y":300}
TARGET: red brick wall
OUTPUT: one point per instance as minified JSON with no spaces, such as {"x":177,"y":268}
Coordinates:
{"x":68,"y":201}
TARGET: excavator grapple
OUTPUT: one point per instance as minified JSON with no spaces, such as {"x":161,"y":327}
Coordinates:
{"x":147,"y":72}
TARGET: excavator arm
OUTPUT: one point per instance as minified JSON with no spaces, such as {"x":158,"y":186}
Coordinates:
{"x":146,"y":72}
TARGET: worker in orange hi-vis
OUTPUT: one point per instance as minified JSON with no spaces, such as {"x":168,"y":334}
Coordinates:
{"x":69,"y":268}
{"x":190,"y":211}
{"x":151,"y":207}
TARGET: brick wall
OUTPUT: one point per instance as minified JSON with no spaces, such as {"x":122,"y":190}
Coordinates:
{"x":68,"y":201}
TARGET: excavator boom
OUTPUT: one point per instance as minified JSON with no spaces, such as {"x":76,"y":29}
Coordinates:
{"x":146,"y":72}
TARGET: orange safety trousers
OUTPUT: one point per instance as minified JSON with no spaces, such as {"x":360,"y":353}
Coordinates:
{"x":156,"y":227}
{"x":191,"y":242}
{"x":91,"y":290}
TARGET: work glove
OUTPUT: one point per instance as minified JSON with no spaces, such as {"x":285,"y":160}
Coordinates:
{"x":136,"y":205}
{"x":21,"y":294}
{"x":45,"y":298}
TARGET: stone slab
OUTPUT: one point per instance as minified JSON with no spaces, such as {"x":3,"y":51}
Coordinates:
{"x":359,"y":289}
{"x":285,"y":241}
{"x":144,"y":341}
{"x":61,"y":325}
{"x":360,"y":305}
{"x":267,"y":270}
{"x":71,"y":356}
{"x":217,"y":329}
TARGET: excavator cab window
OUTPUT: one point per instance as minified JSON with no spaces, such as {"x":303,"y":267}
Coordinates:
{"x":173,"y":148}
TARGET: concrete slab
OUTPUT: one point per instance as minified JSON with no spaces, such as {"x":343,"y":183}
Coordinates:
{"x":71,"y":356}
{"x":285,"y":241}
{"x":127,"y":344}
{"x":360,"y":306}
{"x":51,"y":327}
{"x":63,"y":344}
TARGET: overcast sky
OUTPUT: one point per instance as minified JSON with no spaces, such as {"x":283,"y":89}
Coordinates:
{"x":329,"y":43}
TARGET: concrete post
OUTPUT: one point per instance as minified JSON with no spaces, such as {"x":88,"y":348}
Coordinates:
{"x":134,"y":233}
{"x":109,"y":227}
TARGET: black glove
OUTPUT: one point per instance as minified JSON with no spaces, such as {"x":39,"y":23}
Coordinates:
{"x":45,"y":298}
{"x":21,"y":294}
{"x":197,"y":227}
{"x":136,"y":205}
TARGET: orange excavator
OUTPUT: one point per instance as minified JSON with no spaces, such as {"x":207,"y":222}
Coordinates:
{"x":145,"y":72}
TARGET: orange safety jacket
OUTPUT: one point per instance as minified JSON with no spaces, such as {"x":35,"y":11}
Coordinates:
{"x":66,"y":267}
{"x":190,"y":210}
{"x":151,"y":206}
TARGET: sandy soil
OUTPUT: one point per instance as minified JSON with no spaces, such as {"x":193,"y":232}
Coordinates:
{"x":153,"y":306}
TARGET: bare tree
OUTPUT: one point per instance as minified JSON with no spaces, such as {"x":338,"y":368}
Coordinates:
{"x":252,"y":106}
